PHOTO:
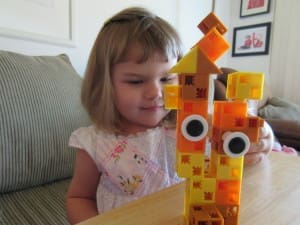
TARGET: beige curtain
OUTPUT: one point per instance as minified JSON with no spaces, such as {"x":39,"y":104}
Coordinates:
{"x":285,"y":50}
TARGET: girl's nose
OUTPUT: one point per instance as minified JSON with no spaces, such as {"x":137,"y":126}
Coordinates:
{"x":154,"y":91}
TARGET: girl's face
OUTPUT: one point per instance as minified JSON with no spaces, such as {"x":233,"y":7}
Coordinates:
{"x":138,"y":89}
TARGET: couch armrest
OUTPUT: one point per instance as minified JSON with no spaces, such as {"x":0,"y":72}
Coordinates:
{"x":287,"y":131}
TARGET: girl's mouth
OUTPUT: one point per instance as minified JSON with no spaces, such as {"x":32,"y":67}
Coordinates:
{"x":153,"y":108}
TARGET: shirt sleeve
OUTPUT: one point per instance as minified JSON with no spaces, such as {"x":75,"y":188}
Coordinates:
{"x":83,"y":138}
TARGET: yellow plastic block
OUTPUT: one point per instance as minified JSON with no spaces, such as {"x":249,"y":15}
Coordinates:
{"x":213,"y":45}
{"x":226,"y":167}
{"x":196,"y":62}
{"x":190,"y":164}
{"x":210,"y":21}
{"x":194,"y":87}
{"x":245,"y":85}
{"x":187,"y":195}
{"x":171,"y":96}
{"x":201,"y":191}
{"x":230,"y":172}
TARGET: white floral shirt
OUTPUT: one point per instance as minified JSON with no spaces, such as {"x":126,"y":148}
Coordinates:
{"x":131,"y":166}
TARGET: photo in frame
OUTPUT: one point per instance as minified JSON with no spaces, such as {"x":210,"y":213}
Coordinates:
{"x":251,"y":40}
{"x":254,"y":7}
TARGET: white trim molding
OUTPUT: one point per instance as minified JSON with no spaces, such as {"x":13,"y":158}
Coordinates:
{"x":20,"y":27}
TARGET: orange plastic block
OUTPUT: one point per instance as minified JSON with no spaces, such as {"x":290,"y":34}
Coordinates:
{"x":230,"y":214}
{"x":254,"y":123}
{"x":232,"y":116}
{"x":185,"y":145}
{"x":229,"y":114}
{"x":193,"y":107}
{"x":195,"y":61}
{"x":228,"y":198}
{"x":213,"y":44}
{"x":210,"y":21}
{"x":228,"y":192}
{"x":245,"y":85}
{"x":194,"y":86}
{"x":172,"y":96}
{"x":243,"y":125}
{"x":205,"y":214}
{"x":192,"y":127}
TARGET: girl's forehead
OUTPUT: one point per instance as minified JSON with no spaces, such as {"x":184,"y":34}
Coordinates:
{"x":135,"y":52}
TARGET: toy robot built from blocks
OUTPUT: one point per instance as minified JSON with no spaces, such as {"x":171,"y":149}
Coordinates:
{"x":213,"y":183}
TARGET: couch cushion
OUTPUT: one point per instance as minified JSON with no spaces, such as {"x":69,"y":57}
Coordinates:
{"x":279,"y":108}
{"x":39,"y":108}
{"x":35,"y":206}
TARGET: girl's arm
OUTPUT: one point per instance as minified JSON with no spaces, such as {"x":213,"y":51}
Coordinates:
{"x":81,"y":197}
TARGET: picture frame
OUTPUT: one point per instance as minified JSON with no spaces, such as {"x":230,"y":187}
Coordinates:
{"x":251,"y":40}
{"x":26,"y":24}
{"x":254,"y":7}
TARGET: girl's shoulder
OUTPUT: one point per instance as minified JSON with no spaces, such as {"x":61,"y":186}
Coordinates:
{"x":161,"y":132}
{"x":92,"y":131}
{"x":90,"y":137}
{"x":87,"y":134}
{"x":86,"y":137}
{"x":152,"y":139}
{"x":89,"y":131}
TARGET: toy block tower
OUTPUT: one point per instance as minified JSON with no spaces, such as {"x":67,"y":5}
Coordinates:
{"x":213,"y":182}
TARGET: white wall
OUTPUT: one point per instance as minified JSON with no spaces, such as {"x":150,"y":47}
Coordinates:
{"x":89,"y":15}
{"x":259,"y":63}
{"x":190,"y":14}
{"x":285,"y":71}
{"x":222,"y":10}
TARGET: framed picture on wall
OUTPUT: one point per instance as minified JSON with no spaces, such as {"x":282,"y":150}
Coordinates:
{"x":254,"y":7}
{"x":251,"y":40}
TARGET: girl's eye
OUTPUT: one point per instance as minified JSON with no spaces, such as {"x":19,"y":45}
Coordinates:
{"x":135,"y":81}
{"x":167,"y":79}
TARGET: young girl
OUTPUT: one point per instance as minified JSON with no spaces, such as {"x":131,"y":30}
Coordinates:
{"x":129,"y":151}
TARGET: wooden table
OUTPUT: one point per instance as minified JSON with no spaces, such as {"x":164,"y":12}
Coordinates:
{"x":270,"y":196}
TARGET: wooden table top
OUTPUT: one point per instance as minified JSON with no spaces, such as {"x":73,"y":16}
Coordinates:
{"x":270,"y":196}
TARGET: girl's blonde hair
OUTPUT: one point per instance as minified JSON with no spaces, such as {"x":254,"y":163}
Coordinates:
{"x":132,"y":25}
